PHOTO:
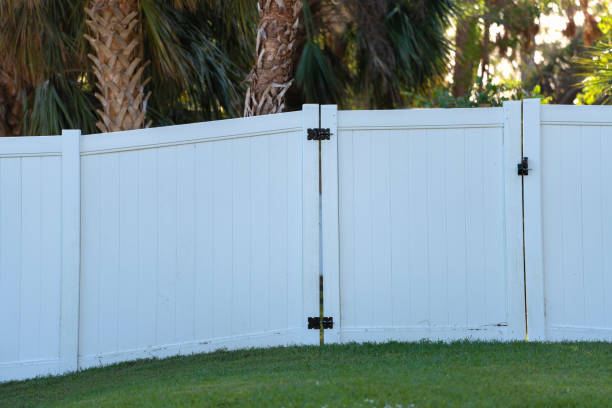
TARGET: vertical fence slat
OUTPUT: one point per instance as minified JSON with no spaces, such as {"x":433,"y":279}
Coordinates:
{"x":71,"y":247}
{"x":534,"y":269}
{"x":514,"y":227}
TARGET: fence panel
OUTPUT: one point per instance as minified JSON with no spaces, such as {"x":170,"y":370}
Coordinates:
{"x":569,"y":225}
{"x":193,"y":238}
{"x":35,"y":235}
{"x":430,"y":224}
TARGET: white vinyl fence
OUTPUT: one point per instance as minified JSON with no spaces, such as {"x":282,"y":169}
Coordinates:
{"x":191,"y":238}
{"x":568,"y":221}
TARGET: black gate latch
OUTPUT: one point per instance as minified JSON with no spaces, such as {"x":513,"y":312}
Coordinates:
{"x":319,"y":134}
{"x":523,"y":167}
{"x":315,"y":323}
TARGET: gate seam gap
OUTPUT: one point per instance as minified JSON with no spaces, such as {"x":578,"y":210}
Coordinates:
{"x":339,"y":323}
{"x":523,"y":227}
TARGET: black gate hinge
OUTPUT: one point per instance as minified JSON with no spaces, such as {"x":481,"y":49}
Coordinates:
{"x":523,"y":167}
{"x":315,"y":323}
{"x":319,"y":134}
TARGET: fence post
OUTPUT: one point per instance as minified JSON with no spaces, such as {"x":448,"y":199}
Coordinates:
{"x":532,"y":196}
{"x":329,"y":217}
{"x":310,"y":223}
{"x":71,"y":249}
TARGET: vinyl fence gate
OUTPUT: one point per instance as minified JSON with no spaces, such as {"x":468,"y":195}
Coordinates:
{"x":422,"y":224}
{"x":482,"y":223}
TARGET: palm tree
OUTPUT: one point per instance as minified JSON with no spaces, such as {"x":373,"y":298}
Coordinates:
{"x":118,"y":64}
{"x":189,"y":55}
{"x":272,"y":74}
{"x":356,"y":53}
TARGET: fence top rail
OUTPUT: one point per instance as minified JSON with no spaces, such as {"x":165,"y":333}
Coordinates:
{"x":576,"y":115}
{"x":421,"y":118}
{"x":30,"y":146}
{"x":191,"y":133}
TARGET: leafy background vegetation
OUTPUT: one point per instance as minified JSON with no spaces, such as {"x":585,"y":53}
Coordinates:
{"x":368,"y":54}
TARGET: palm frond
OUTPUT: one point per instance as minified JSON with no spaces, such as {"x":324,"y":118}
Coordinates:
{"x":202,"y":79}
{"x":412,"y":50}
{"x":597,"y":74}
{"x":371,"y":52}
{"x":41,"y":37}
{"x":59,"y":104}
{"x":315,"y":76}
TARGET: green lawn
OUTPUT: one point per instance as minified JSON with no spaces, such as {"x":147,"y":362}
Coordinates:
{"x":386,"y":375}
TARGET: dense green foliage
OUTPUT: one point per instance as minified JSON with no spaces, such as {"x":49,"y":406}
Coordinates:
{"x":479,"y":95}
{"x":385,"y":375}
{"x":354,"y":53}
{"x":513,"y":32}
{"x":366,"y":53}
{"x":199,"y":52}
{"x":362,"y":53}
{"x":596,"y":68}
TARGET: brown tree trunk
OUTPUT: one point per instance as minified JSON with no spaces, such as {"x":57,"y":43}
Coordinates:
{"x":116,"y":41}
{"x":484,"y":65}
{"x":11,"y":108}
{"x":273,"y":71}
{"x":463,"y":72}
{"x":592,"y":33}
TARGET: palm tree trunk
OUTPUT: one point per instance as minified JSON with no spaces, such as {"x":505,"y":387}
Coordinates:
{"x":116,"y":41}
{"x":273,"y":71}
{"x":11,"y":108}
{"x":484,"y":64}
{"x":463,"y":72}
